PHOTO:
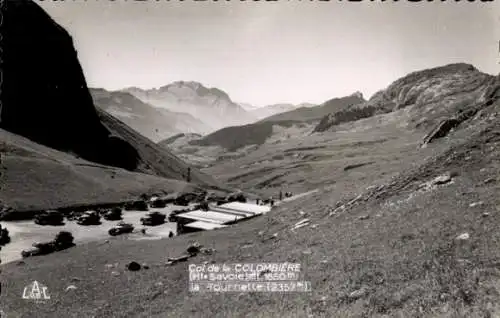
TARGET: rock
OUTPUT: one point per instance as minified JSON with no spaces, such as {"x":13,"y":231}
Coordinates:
{"x":463,"y":237}
{"x":70,"y":287}
{"x":133,"y":266}
{"x":115,"y":273}
{"x":442,"y":179}
{"x":479,"y":203}
{"x":486,"y":214}
{"x":357,"y":294}
{"x":364,"y":217}
{"x":489,"y":180}
{"x":145,"y":266}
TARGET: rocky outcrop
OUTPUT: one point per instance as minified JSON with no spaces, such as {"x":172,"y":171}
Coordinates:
{"x":430,"y":95}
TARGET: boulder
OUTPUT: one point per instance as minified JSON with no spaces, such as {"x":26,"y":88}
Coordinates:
{"x":133,"y":266}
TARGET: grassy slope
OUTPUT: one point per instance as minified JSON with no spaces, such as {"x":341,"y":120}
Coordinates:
{"x":404,"y":255}
{"x":36,"y":177}
{"x":307,"y":114}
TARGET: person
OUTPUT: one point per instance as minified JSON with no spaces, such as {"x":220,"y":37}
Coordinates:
{"x":271,"y":201}
{"x":281,"y":195}
{"x":257,"y":201}
{"x":170,"y":234}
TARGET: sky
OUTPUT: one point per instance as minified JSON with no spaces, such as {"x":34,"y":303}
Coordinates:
{"x":275,"y":52}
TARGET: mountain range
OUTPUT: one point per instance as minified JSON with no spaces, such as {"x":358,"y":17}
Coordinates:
{"x":152,"y":122}
{"x":211,"y":106}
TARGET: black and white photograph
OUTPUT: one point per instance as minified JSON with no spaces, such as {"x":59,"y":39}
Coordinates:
{"x":249,"y":158}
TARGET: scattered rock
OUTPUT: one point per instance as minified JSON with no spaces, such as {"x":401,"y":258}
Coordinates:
{"x":115,"y":273}
{"x":489,"y":180}
{"x":300,"y":224}
{"x":133,"y":266}
{"x":145,"y":266}
{"x":463,"y":236}
{"x":70,"y":287}
{"x":442,"y":179}
{"x":364,"y":217}
{"x":486,"y":214}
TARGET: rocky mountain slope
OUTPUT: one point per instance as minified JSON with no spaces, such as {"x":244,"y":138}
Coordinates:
{"x":212,"y":106}
{"x":151,"y":122}
{"x":430,"y":95}
{"x":59,"y":113}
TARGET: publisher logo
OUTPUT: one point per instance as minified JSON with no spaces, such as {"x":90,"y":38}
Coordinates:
{"x":36,"y":291}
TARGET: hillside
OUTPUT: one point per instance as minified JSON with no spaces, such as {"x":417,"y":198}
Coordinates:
{"x":430,"y":95}
{"x":54,"y":136}
{"x":57,"y":179}
{"x":211,"y":106}
{"x":154,"y":123}
{"x":270,"y":110}
{"x":439,"y":259}
{"x":316,"y":113}
{"x":183,"y":138}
